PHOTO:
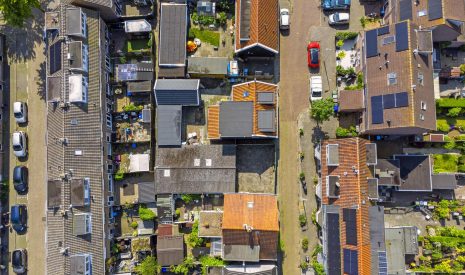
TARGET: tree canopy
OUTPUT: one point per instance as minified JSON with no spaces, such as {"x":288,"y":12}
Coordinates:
{"x":16,"y":12}
{"x":149,"y":266}
{"x":322,"y":110}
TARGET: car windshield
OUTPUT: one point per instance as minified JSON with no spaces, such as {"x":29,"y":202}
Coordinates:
{"x":18,"y":115}
{"x":16,"y":261}
{"x":336,"y":17}
{"x":316,"y":94}
{"x":284,"y":13}
{"x":314,"y":53}
{"x":17,"y":147}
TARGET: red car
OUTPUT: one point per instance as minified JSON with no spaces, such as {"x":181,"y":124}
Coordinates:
{"x":313,"y":55}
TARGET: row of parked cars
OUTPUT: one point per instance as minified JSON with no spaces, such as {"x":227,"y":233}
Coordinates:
{"x":18,"y":212}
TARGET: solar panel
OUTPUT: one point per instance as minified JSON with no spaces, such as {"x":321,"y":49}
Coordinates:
{"x":401,"y":99}
{"x":405,"y":9}
{"x":54,"y":57}
{"x":389,"y":101}
{"x":350,"y":218}
{"x":372,"y":43}
{"x":434,"y":9}
{"x":382,"y":263}
{"x":383,"y":30}
{"x":350,"y":261}
{"x":334,"y":243}
{"x":377,"y":116}
{"x":401,"y":36}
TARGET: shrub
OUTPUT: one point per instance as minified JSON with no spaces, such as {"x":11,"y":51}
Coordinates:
{"x":207,"y":261}
{"x":319,"y":268}
{"x":302,"y":176}
{"x":188,"y":198}
{"x":363,"y":21}
{"x":221,"y":18}
{"x":177,"y":212}
{"x":343,"y":72}
{"x":340,"y":43}
{"x":445,"y":163}
{"x":134,"y":225}
{"x":461,"y":168}
{"x":302,"y":220}
{"x":442,"y":126}
{"x":132,"y":108}
{"x":341,"y":54}
{"x":304,"y":265}
{"x":346,"y":35}
{"x":449,"y":145}
{"x":146,"y":214}
{"x":359,"y":83}
{"x":301,"y":132}
{"x":305,"y":244}
{"x":450,"y":102}
{"x":119,"y":175}
{"x":193,"y":239}
{"x":343,"y":132}
{"x":454,"y":112}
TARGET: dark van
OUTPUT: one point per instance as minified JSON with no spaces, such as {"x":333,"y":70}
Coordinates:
{"x":18,"y":217}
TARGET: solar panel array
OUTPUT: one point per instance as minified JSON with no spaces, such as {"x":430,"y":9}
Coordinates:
{"x":377,"y":115}
{"x":401,"y":36}
{"x":349,"y":216}
{"x":55,"y":57}
{"x":372,"y":43}
{"x":350,"y":262}
{"x":383,"y":30}
{"x":434,"y":9}
{"x":405,"y":9}
{"x":382,"y":263}
{"x":334,"y":243}
{"x":401,"y":99}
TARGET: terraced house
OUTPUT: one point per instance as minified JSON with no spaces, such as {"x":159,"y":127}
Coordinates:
{"x":79,"y":181}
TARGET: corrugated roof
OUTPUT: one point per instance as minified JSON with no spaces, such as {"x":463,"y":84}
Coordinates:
{"x":170,"y":250}
{"x":146,"y":192}
{"x":173,"y":35}
{"x":259,"y":211}
{"x":169,"y":125}
{"x":207,"y":65}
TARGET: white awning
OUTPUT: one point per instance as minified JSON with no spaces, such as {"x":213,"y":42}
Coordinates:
{"x":139,"y":163}
{"x":77,"y":88}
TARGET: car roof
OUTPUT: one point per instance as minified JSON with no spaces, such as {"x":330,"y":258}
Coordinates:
{"x":343,"y":16}
{"x":17,"y":106}
{"x":285,"y":19}
{"x":17,"y":171}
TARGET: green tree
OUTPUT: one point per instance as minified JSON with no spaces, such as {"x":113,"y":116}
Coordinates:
{"x":454,"y":112}
{"x":302,"y":220}
{"x":208,"y":261}
{"x":146,"y":214}
{"x":193,"y":239}
{"x":221,"y":18}
{"x":444,"y":267}
{"x":148,"y":266}
{"x":322,"y":110}
{"x":305,"y":244}
{"x":16,"y":12}
{"x":185,"y":267}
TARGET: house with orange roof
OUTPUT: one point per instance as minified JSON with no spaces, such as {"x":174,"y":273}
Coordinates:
{"x":345,"y":189}
{"x":250,"y":228}
{"x":251,"y":113}
{"x":257,"y":27}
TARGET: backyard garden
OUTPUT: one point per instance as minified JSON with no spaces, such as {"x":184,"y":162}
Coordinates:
{"x":442,"y":250}
{"x":448,"y":163}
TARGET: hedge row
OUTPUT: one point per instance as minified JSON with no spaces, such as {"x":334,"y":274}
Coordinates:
{"x":450,"y":102}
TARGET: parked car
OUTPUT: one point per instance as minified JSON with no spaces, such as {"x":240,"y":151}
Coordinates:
{"x":20,"y":144}
{"x":335,"y":4}
{"x":20,"y":112}
{"x":313,"y":54}
{"x":284,"y":19}
{"x":339,"y":18}
{"x":20,"y":176}
{"x":316,"y":87}
{"x":18,"y":217}
{"x":19,"y":261}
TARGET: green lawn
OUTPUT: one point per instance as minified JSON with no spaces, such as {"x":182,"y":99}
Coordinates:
{"x":138,"y":45}
{"x":445,"y":163}
{"x":205,"y":36}
{"x":442,"y":122}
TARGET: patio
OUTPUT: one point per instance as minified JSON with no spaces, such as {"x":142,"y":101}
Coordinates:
{"x":347,"y":56}
{"x":134,"y":131}
{"x":130,"y":9}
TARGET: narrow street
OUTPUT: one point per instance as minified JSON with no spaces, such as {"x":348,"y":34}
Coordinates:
{"x":293,"y":101}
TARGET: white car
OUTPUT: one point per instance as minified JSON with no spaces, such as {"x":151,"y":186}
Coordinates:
{"x":19,"y":144}
{"x":316,"y":88}
{"x":20,"y":112}
{"x":284,"y":19}
{"x":339,"y":18}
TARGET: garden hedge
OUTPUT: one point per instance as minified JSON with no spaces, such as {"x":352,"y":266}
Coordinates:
{"x":450,"y":102}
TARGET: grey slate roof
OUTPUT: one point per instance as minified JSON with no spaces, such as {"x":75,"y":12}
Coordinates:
{"x":82,"y":126}
{"x":399,"y":242}
{"x":196,"y":169}
{"x":444,"y":181}
{"x":78,"y":264}
{"x":73,"y":23}
{"x":169,"y":125}
{"x":173,"y":35}
{"x":236,"y":119}
{"x":146,"y":192}
{"x":79,"y":224}
{"x":207,"y":65}
{"x":134,"y":72}
{"x":266,"y":98}
{"x":77,"y":192}
{"x":183,"y":92}
{"x":53,"y":193}
{"x":415,"y":172}
{"x":377,"y":240}
{"x":241,"y":253}
{"x":54,"y":88}
{"x":140,"y":86}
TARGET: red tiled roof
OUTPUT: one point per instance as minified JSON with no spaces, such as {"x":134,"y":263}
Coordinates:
{"x":264,"y":27}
